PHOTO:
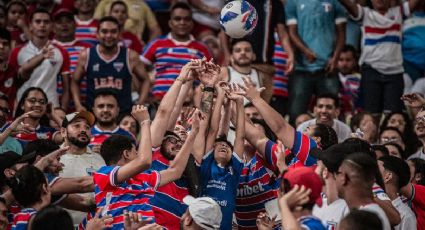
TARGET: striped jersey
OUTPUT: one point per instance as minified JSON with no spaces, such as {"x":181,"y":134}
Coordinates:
{"x":131,"y":195}
{"x":349,"y":91}
{"x":51,"y":180}
{"x":11,"y":212}
{"x":381,"y":40}
{"x":41,"y":132}
{"x":167,"y":203}
{"x":98,"y":136}
{"x":168,"y":57}
{"x":257,"y":185}
{"x":85,"y":31}
{"x":300,"y":150}
{"x":21,"y":219}
{"x":73,"y":49}
{"x":280,"y":79}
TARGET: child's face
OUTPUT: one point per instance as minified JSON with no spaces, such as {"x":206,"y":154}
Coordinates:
{"x":120,"y":13}
{"x":380,"y":5}
{"x":15,"y":12}
{"x":346,"y":62}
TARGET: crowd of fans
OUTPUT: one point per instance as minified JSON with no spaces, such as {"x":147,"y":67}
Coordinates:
{"x":132,"y":114}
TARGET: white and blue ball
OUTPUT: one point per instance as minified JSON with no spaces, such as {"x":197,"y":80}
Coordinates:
{"x":238,"y":18}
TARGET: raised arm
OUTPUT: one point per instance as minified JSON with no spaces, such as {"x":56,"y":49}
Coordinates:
{"x":13,"y":126}
{"x":160,"y":123}
{"x":177,"y":166}
{"x":215,"y":117}
{"x":138,"y":69}
{"x":284,"y":131}
{"x":240,"y":120}
{"x":73,"y":185}
{"x":286,"y":44}
{"x":179,"y":104}
{"x":75,"y":80}
{"x":144,"y":156}
{"x":351,"y":7}
{"x":198,"y":149}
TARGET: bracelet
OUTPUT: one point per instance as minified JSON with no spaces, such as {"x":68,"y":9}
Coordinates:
{"x":208,"y":89}
{"x":181,"y":79}
{"x":145,"y":121}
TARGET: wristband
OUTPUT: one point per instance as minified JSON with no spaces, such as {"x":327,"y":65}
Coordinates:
{"x":208,"y":89}
{"x":145,"y":121}
{"x":181,"y":79}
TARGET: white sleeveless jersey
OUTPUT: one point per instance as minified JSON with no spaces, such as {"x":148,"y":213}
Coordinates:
{"x":236,"y":77}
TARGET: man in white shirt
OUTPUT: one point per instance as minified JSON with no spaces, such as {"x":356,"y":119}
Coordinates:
{"x":79,"y":160}
{"x":396,"y":174}
{"x":354,"y":179}
{"x":326,"y":111}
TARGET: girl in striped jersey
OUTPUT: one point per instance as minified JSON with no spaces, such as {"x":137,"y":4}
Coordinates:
{"x":29,"y":178}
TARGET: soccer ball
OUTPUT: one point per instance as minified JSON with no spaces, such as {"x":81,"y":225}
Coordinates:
{"x":238,"y":18}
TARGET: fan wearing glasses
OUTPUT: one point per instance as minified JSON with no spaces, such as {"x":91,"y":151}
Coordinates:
{"x":32,"y":115}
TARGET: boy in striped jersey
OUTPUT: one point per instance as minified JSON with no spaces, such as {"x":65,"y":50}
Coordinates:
{"x":86,"y":25}
{"x":126,"y":183}
{"x":381,"y":56}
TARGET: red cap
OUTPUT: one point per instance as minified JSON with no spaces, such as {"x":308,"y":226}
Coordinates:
{"x":63,"y":12}
{"x":307,"y":177}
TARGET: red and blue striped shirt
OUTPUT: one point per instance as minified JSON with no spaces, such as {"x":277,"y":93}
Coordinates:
{"x":168,"y":57}
{"x":131,"y":195}
{"x":85,"y":31}
{"x":21,"y":219}
{"x":280,"y":79}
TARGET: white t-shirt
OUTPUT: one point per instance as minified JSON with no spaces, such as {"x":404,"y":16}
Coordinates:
{"x":408,"y":218}
{"x":342,"y":130}
{"x":379,"y":212}
{"x":80,"y":166}
{"x":419,"y":154}
{"x":331,"y":214}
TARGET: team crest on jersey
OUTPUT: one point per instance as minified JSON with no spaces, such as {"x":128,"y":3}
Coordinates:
{"x":8,"y":83}
{"x":327,"y":6}
{"x":96,"y":67}
{"x":118,"y":66}
{"x":41,"y":135}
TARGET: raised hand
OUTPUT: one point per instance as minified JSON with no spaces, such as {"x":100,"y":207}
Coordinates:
{"x":140,"y":113}
{"x":413,"y":100}
{"x":222,"y":87}
{"x":17,"y":126}
{"x":264,"y":222}
{"x":196,"y":120}
{"x":235,"y":93}
{"x":190,"y":70}
{"x":51,"y":159}
{"x":99,"y":223}
{"x":185,"y":116}
{"x":297,"y":196}
{"x":250,"y":91}
{"x":280,"y":155}
{"x":47,"y":51}
{"x":134,"y":221}
{"x":209,"y":77}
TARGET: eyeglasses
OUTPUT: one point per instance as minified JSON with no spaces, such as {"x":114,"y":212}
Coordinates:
{"x":420,"y":119}
{"x":34,"y":100}
{"x":389,"y":139}
{"x":4,"y":110}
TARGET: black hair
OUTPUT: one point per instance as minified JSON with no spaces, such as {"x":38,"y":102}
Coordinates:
{"x":357,"y":119}
{"x":108,"y":19}
{"x":44,"y":120}
{"x":327,"y":134}
{"x":409,"y":136}
{"x":361,"y":219}
{"x":2,"y":200}
{"x":40,"y":147}
{"x":248,"y":105}
{"x":399,"y":167}
{"x":364,"y":165}
{"x":236,"y":41}
{"x":119,"y":2}
{"x":223,"y":138}
{"x":113,"y":147}
{"x":27,"y":185}
{"x":419,"y":168}
{"x":16,"y":2}
{"x":398,"y":147}
{"x":124,"y":115}
{"x":5,"y":34}
{"x":40,"y":11}
{"x":350,"y":48}
{"x":267,"y":131}
{"x":104,"y":92}
{"x":52,"y":217}
{"x":381,"y":148}
{"x":332,"y":96}
{"x":181,"y":5}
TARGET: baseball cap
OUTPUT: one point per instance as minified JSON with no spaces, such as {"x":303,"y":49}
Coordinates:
{"x":204,"y":211}
{"x":10,"y":158}
{"x":83,"y":114}
{"x":331,"y":157}
{"x":307,"y":177}
{"x":63,"y":13}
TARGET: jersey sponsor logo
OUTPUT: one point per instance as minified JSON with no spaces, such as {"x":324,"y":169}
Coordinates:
{"x":107,"y":82}
{"x":118,"y":66}
{"x":247,"y":190}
